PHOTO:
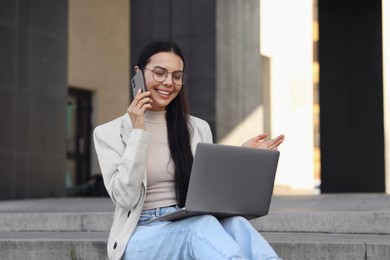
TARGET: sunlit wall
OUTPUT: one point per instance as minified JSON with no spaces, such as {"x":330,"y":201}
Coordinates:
{"x":98,"y":54}
{"x":98,"y":57}
{"x":286,"y":37}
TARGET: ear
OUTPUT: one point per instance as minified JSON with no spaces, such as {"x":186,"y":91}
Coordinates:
{"x":136,"y":68}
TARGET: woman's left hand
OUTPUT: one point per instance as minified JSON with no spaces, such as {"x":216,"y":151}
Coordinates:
{"x":259,"y":142}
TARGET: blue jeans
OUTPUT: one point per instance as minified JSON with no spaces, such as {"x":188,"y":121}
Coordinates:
{"x":201,"y":237}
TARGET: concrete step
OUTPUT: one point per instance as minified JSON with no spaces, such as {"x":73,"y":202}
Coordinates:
{"x":353,"y":214}
{"x":322,"y":222}
{"x":56,"y":221}
{"x":92,"y":245}
{"x":53,"y":245}
{"x":339,"y":226}
{"x":330,"y":213}
{"x":323,"y":246}
{"x":57,"y":214}
{"x":337,"y":222}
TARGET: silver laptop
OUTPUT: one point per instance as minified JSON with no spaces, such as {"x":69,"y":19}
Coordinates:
{"x":229,"y":181}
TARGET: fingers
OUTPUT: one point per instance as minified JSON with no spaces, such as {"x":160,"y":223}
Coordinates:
{"x":274,"y":143}
{"x":141,"y":102}
{"x":141,"y":94}
{"x":259,"y":142}
{"x":144,"y":104}
{"x":137,"y":108}
{"x":278,"y":139}
{"x":259,"y":137}
{"x":255,"y":141}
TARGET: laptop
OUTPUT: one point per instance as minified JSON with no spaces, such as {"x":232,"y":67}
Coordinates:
{"x":229,"y":181}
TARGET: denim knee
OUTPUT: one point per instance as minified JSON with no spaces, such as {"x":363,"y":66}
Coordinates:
{"x":235,"y":221}
{"x":208,"y":238}
{"x":205,"y":223}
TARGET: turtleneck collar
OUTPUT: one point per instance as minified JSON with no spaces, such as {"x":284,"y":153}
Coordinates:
{"x":155,"y":116}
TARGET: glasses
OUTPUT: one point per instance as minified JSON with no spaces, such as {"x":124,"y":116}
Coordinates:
{"x":161,"y":74}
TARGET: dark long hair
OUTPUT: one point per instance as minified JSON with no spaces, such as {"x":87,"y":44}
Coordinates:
{"x":179,"y":130}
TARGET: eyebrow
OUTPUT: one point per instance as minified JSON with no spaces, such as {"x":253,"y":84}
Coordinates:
{"x":159,"y":67}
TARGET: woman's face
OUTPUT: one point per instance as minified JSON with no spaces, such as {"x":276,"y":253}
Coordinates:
{"x":162,"y":93}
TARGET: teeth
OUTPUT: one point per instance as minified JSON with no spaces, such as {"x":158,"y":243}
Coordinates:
{"x":163,"y":92}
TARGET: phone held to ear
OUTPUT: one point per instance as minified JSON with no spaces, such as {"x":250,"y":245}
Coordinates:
{"x":137,"y":82}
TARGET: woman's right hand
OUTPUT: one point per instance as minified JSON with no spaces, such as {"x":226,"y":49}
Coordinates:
{"x":137,"y":108}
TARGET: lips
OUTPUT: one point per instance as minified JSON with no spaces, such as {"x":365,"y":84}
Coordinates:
{"x":163,"y":92}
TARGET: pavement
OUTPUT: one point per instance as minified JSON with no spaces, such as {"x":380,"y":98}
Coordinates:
{"x":327,"y":226}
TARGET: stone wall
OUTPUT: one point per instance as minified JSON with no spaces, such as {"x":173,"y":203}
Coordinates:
{"x":33,"y":91}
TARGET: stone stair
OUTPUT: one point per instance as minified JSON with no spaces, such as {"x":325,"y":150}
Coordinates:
{"x":339,"y":226}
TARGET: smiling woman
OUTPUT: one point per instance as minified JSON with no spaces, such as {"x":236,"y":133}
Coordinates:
{"x":164,"y":81}
{"x":146,"y":158}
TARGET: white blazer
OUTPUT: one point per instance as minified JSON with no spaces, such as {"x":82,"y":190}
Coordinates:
{"x":122,"y":152}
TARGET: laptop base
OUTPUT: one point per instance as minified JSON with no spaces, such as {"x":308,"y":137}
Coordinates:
{"x":183,"y":213}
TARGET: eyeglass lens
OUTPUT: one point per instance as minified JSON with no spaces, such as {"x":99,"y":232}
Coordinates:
{"x":160,"y":74}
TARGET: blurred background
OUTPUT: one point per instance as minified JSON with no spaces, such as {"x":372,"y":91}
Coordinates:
{"x":314,"y":70}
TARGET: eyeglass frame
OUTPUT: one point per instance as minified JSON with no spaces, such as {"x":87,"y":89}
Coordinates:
{"x":184,"y":76}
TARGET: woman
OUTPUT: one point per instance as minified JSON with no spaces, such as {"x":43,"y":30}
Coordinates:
{"x":146,"y":156}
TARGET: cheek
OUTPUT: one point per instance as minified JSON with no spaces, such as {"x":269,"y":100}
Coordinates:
{"x":177,"y":88}
{"x":150,"y":83}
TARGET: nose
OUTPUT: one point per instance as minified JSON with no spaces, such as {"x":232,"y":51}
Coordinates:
{"x":169,"y":79}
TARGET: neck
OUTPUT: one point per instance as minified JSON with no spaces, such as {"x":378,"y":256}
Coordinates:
{"x":155,"y":116}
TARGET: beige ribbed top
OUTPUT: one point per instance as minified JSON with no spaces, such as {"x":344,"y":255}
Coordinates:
{"x":159,"y":166}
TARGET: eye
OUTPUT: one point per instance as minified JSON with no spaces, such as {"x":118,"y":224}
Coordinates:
{"x":177,"y":75}
{"x":159,"y":72}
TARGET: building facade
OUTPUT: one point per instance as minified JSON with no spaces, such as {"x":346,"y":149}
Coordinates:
{"x":66,"y":66}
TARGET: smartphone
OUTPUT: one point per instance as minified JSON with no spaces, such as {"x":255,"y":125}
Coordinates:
{"x":137,"y":82}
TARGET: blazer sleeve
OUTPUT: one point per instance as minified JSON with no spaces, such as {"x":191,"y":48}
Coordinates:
{"x":208,"y":136}
{"x":122,"y":163}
